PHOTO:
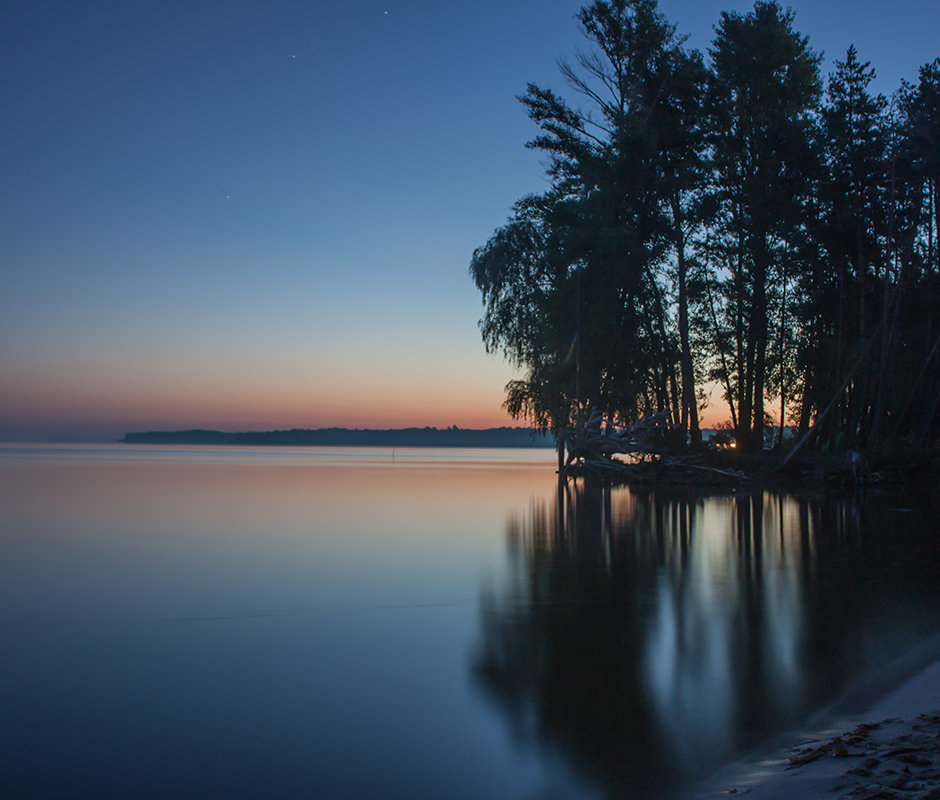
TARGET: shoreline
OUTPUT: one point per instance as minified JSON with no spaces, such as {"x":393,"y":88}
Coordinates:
{"x":879,"y":739}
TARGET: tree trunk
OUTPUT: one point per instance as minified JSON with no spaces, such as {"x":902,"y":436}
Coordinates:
{"x":689,"y":405}
{"x":719,"y":343}
{"x":742,"y":434}
{"x":757,"y":335}
{"x":783,"y":335}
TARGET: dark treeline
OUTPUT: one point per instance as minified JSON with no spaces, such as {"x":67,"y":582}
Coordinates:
{"x":349,"y":437}
{"x":732,"y":219}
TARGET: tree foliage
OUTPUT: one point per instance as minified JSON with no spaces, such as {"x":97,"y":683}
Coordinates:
{"x":723,"y":221}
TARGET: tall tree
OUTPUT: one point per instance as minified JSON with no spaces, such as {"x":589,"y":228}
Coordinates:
{"x":850,"y":229}
{"x":908,"y":396}
{"x":625,"y":165}
{"x":601,"y":156}
{"x":717,"y":222}
{"x":683,"y":167}
{"x":764,"y":85}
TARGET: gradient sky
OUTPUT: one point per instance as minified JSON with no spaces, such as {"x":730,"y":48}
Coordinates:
{"x":249,"y":215}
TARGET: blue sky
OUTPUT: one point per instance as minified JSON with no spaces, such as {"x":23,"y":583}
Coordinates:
{"x":254,"y":215}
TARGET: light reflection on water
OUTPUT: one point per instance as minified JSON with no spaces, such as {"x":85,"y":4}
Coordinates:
{"x":326,"y":622}
{"x":652,"y":635}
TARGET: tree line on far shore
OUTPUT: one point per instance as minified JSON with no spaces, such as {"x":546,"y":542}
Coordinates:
{"x":351,"y":437}
{"x":731,"y":219}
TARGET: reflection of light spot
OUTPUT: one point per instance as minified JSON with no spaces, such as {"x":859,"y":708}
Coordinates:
{"x":228,"y":197}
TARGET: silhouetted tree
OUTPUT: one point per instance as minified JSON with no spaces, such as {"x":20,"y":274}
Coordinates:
{"x":716,"y":222}
{"x":840,"y":296}
{"x":908,"y":385}
{"x":526,"y":287}
{"x":764,"y":86}
{"x":624,"y":172}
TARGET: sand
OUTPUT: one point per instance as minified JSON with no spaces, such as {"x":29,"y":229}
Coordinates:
{"x":891,"y":749}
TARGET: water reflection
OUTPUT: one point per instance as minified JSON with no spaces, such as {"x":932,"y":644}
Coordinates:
{"x":213,"y":625}
{"x":647,"y":635}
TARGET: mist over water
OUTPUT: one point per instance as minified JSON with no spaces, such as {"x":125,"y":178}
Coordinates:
{"x":307,"y":622}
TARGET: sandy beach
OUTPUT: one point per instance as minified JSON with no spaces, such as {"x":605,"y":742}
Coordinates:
{"x":887,"y":747}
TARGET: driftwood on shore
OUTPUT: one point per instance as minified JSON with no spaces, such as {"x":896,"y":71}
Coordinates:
{"x":653,"y":450}
{"x":594,"y":444}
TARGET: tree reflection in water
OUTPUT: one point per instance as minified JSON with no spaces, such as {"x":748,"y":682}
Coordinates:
{"x":646,"y":636}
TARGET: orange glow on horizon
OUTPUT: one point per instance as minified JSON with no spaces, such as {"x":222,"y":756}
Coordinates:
{"x":260,"y":408}
{"x":250,"y":408}
{"x":138,"y":401}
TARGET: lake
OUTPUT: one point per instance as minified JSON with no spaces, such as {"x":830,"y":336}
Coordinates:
{"x":370,"y":623}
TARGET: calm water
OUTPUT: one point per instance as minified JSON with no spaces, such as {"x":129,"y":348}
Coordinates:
{"x":222,"y":622}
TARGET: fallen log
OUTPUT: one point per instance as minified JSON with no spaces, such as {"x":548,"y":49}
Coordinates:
{"x":594,"y":445}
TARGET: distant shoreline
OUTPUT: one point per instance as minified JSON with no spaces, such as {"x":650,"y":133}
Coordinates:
{"x":353,"y":437}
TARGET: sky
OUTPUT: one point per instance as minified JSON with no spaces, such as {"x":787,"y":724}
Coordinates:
{"x":255,"y":215}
